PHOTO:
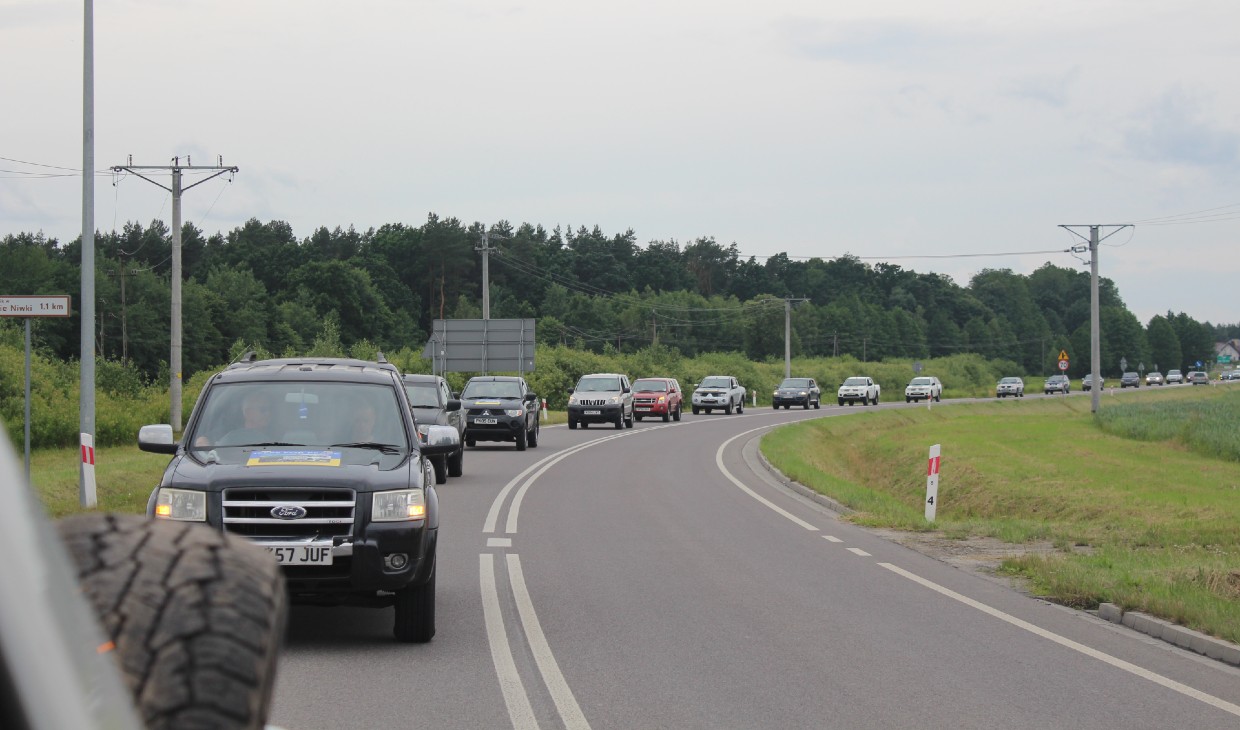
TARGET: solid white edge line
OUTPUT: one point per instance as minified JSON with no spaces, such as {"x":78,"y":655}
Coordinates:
{"x":519,"y":709}
{"x":747,"y":490}
{"x":1116,"y":662}
{"x":570,"y":711}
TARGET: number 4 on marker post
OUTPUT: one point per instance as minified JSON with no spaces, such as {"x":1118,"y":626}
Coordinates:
{"x":932,"y":483}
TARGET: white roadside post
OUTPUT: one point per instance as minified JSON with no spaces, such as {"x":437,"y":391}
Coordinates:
{"x":88,"y":470}
{"x":932,"y":483}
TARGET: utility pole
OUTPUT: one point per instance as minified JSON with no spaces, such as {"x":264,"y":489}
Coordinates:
{"x":1095,"y":341}
{"x":86,"y":367}
{"x":174,"y":361}
{"x":654,"y":322}
{"x":485,"y":248}
{"x":788,"y":333}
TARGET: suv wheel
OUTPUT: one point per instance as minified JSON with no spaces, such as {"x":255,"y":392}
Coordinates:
{"x":533,"y":437}
{"x":572,"y":425}
{"x":441,"y":469}
{"x":695,"y":410}
{"x":415,"y":612}
{"x":173,"y":638}
{"x":521,"y":439}
{"x":740,"y":406}
{"x":676,"y":415}
{"x":628,"y":422}
{"x":619,"y":422}
{"x":728,"y":408}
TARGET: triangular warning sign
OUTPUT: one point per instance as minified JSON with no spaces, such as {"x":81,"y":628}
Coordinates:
{"x":1063,"y":354}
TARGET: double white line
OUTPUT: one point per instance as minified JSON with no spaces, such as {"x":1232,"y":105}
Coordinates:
{"x":515,"y":696}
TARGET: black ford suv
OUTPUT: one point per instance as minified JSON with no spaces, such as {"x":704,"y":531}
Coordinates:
{"x":500,"y":408}
{"x":319,"y":461}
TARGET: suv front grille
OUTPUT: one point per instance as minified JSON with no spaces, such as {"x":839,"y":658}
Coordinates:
{"x":591,"y":402}
{"x":330,"y":512}
{"x":645,"y":400}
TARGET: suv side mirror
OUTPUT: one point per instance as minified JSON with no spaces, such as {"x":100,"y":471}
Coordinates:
{"x":453,"y":405}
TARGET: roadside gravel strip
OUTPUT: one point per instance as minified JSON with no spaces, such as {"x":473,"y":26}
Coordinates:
{"x":982,"y":556}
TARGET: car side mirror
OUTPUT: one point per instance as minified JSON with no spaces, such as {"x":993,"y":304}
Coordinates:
{"x":157,"y":438}
{"x":453,"y":405}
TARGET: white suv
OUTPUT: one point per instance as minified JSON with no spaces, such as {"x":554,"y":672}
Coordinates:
{"x":923,"y":388}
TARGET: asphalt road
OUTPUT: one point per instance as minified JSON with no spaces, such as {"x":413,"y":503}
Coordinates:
{"x":658,"y":577}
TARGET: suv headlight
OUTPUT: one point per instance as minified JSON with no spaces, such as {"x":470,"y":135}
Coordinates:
{"x":513,"y":412}
{"x":397,"y":506}
{"x":187,"y":505}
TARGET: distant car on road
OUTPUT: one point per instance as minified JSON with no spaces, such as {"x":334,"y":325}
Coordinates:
{"x":1130,"y":378}
{"x":1198,"y":377}
{"x":1174,"y":376}
{"x":1087,"y":382}
{"x":925,"y":387}
{"x":719,"y":392}
{"x":1154,"y":378}
{"x":500,"y":408}
{"x":859,"y":388}
{"x":797,"y":392}
{"x":601,"y":398}
{"x":660,"y":397}
{"x":1010,"y":386}
{"x":1057,"y":384}
{"x":433,"y":405}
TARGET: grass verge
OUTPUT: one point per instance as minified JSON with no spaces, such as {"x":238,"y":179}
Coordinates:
{"x":1149,"y":525}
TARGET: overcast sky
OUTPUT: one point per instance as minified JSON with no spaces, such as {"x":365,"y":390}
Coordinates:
{"x":816,"y":128}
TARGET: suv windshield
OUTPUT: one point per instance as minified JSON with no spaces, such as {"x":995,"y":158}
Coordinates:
{"x":922,"y":381}
{"x":299,"y":413}
{"x":651,"y":385}
{"x":855,"y":381}
{"x":716,"y":383}
{"x":476,"y":389}
{"x":598,"y":385}
{"x":795,"y":383}
{"x":423,"y":395}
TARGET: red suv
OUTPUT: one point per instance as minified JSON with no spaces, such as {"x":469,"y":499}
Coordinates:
{"x":657,"y":397}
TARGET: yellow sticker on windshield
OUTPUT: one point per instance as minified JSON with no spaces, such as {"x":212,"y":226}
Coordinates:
{"x":487,"y":402}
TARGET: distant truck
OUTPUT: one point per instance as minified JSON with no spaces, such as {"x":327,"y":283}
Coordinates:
{"x":859,"y":388}
{"x":719,"y":392}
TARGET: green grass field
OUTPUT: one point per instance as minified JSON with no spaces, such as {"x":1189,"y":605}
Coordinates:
{"x":1150,"y":525}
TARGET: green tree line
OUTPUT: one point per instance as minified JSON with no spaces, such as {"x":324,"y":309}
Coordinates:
{"x":259,"y":286}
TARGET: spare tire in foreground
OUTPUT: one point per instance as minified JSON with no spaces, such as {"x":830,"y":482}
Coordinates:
{"x":196,"y":616}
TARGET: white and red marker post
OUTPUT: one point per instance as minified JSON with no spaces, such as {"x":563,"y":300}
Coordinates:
{"x":932,"y":483}
{"x":88,"y":470}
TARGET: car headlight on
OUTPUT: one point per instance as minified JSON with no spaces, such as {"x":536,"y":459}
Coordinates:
{"x":572,"y":399}
{"x":397,"y":506}
{"x":662,"y":399}
{"x":805,"y":392}
{"x":513,"y":412}
{"x":187,"y":505}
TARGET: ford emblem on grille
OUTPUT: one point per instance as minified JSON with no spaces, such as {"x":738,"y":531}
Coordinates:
{"x":288,"y":512}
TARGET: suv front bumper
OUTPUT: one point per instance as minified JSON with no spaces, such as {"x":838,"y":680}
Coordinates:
{"x":609,"y":413}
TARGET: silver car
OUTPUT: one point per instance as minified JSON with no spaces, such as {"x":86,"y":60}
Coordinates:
{"x":1010,"y":386}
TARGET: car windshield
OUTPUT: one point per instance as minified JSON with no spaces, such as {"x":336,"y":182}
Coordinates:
{"x":716,"y":383}
{"x":287,"y":417}
{"x":922,"y":381}
{"x":1056,"y":378}
{"x":1173,"y":372}
{"x":1131,"y":375}
{"x":651,"y":385}
{"x":609,"y":384}
{"x":795,"y":383}
{"x":476,"y":389}
{"x":855,"y":381}
{"x":1010,"y":381}
{"x":423,"y":395}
